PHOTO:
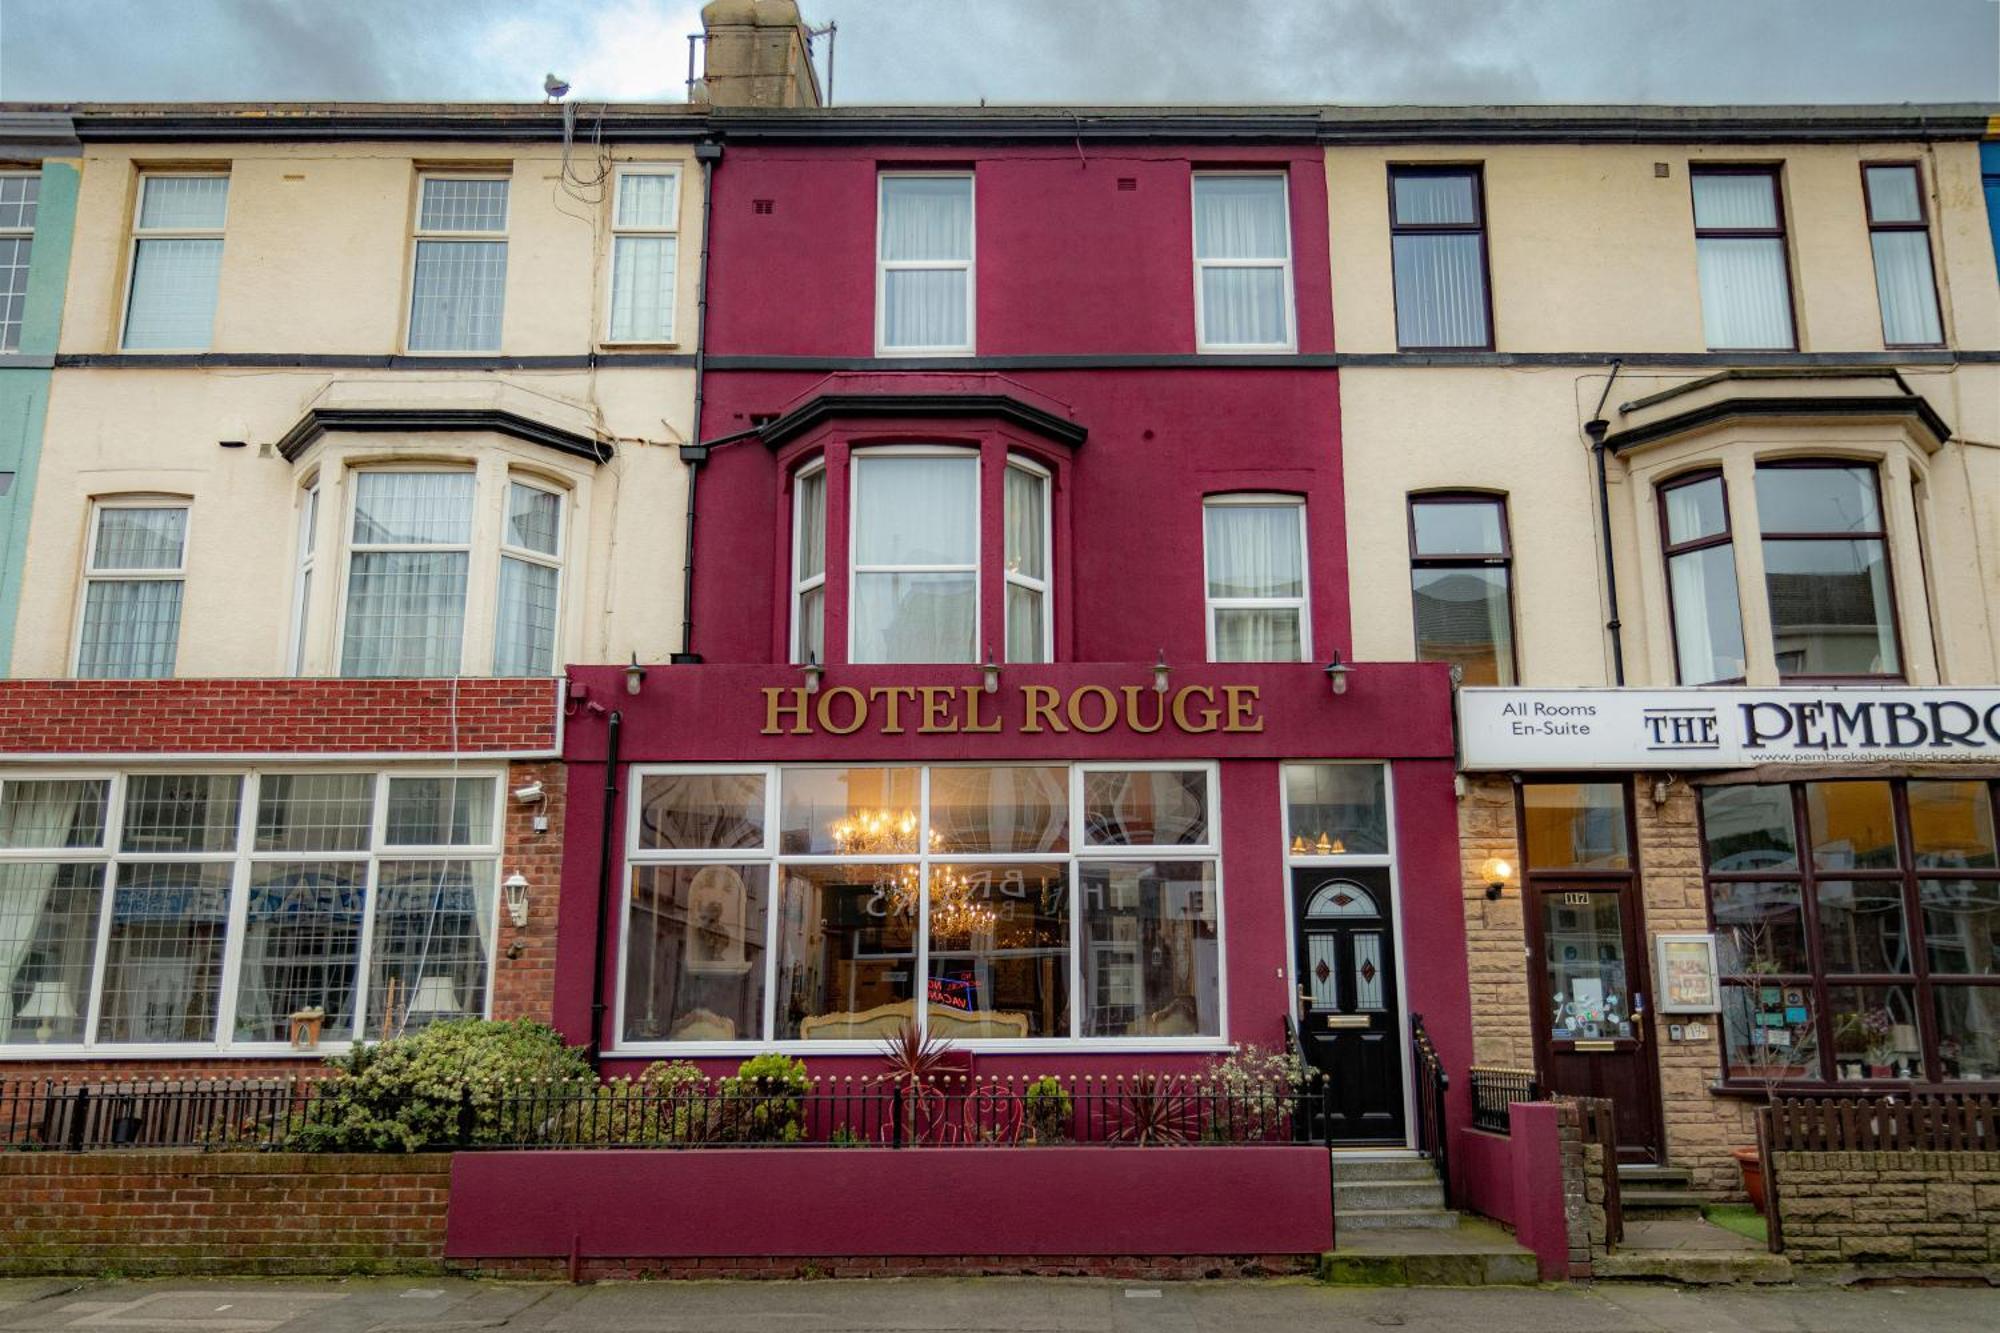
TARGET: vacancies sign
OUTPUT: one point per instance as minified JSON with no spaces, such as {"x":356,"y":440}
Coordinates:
{"x":1725,"y":728}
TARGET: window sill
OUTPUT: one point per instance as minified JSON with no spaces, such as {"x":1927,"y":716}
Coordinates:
{"x":990,"y":1046}
{"x":640,"y":344}
{"x":1865,"y":1088}
{"x":1247,"y":349}
{"x":33,"y":1053}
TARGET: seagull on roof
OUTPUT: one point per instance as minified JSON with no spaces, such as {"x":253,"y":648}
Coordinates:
{"x":556,"y":88}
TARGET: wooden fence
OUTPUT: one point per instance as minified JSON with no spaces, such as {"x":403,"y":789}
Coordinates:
{"x":1599,"y":1123}
{"x":1916,"y":1122}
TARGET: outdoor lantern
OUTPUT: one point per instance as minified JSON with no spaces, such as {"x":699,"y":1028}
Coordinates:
{"x":1336,"y":671}
{"x":49,"y":1003}
{"x":1496,"y":872}
{"x":516,"y":888}
{"x":992,"y":674}
{"x":1160,"y":670}
{"x":813,"y":672}
{"x":635,"y":676}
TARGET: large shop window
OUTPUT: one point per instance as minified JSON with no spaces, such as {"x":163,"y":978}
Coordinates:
{"x":1701,"y":579}
{"x":1746,"y":285}
{"x":1018,"y":903}
{"x":1256,"y":555}
{"x":176,"y":262}
{"x":1858,"y":925}
{"x":137,"y":566}
{"x":1242,"y":262}
{"x":924,"y":282}
{"x":1826,"y":570}
{"x":1461,"y":578}
{"x":20,"y":191}
{"x":199,"y":911}
{"x":1900,"y":235}
{"x":1437,"y":226}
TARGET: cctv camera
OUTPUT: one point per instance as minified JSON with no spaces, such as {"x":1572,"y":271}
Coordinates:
{"x":529,"y":794}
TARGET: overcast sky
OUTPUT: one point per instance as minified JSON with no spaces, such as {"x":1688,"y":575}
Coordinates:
{"x":959,"y":51}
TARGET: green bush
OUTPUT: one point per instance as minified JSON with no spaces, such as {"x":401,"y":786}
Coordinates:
{"x":763,"y":1101}
{"x":430,"y":1088}
{"x":1048,"y":1107}
{"x":1249,"y":1094}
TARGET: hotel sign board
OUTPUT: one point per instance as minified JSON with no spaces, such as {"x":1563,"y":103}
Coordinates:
{"x":1725,"y":727}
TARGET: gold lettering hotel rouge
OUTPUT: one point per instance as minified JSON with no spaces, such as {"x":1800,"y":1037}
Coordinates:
{"x":943,"y":710}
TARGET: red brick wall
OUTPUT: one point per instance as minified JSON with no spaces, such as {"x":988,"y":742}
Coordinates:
{"x":250,"y":716}
{"x":142,"y":1212}
{"x":524,"y":974}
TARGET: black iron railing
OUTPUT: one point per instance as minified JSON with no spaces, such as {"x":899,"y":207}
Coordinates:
{"x":1494,"y":1090}
{"x":1433,"y":1137}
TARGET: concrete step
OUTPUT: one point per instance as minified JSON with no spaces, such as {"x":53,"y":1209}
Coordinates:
{"x":1394,"y":1219}
{"x":1373,"y":1169}
{"x":1694,"y":1267}
{"x":1478,"y":1254}
{"x":1646,"y":1202}
{"x":1349,"y":1195}
{"x":1662,"y":1177}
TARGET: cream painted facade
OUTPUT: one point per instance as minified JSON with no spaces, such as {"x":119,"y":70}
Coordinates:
{"x":313,"y":299}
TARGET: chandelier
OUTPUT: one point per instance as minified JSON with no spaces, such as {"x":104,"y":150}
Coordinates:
{"x":957,"y":906}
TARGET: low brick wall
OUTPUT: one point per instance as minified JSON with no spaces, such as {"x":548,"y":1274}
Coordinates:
{"x":1928,"y":1208}
{"x":1149,"y":1267}
{"x":175,"y":1212}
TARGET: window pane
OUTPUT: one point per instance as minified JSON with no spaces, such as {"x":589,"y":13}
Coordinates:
{"x":1010,"y":809}
{"x":1830,"y":608}
{"x":1817,"y":499}
{"x":1735,"y":202}
{"x":405,"y":613}
{"x":1248,"y":634}
{"x":1145,"y":808}
{"x":1239,"y":217}
{"x":694,"y":953}
{"x":300,"y":949}
{"x":131,"y":628}
{"x":173,"y":814}
{"x":524,"y":634}
{"x":916,"y":511}
{"x":1243,"y":306}
{"x":1440,"y":290}
{"x":413,"y":508}
{"x":1695,"y":510}
{"x":458,"y":295}
{"x":1875,"y":1032}
{"x":1961,"y":925}
{"x":184,"y":203}
{"x":58,"y":813}
{"x":1760,"y":928}
{"x":18,"y":197}
{"x":48,"y":945}
{"x":915,"y":617}
{"x":1575,"y":825}
{"x":1027,"y":536}
{"x":1769,"y":1038}
{"x":163,"y":970}
{"x":999,"y":951}
{"x":1903,"y":285}
{"x":925,"y":307}
{"x":439,"y":812}
{"x":172,"y":304}
{"x":926,"y":217}
{"x":315,"y":812}
{"x":1852,"y":825}
{"x":1745,"y":301}
{"x":1968,"y":1028}
{"x":1462,"y":616}
{"x":1951,"y":824}
{"x":642,"y":287}
{"x":812,"y":624}
{"x":1027,"y":640}
{"x":646,"y":199}
{"x":847,"y":952}
{"x":1255,"y":550}
{"x":689,"y":811}
{"x":1457,"y":528}
{"x":1584,"y":955}
{"x":1151,"y":960}
{"x":1440,"y":199}
{"x":430,"y":963}
{"x":534,"y":516}
{"x":1334,"y":808}
{"x":1708,"y":619}
{"x":1749,"y":828}
{"x":811,"y":556}
{"x":1861,"y":927}
{"x":1892,"y":195}
{"x":16,"y":253}
{"x":135,"y":538}
{"x":463,"y":205}
{"x":848,"y":811}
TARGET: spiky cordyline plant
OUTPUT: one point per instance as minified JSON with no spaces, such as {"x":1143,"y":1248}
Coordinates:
{"x":913,"y":1057}
{"x":1155,"y":1110}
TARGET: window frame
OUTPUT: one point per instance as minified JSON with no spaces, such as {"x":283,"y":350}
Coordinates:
{"x":1076,"y":854}
{"x":1781,"y":232}
{"x":1879,"y":534}
{"x":971,"y":453}
{"x":1503,"y":560}
{"x":12,"y":343}
{"x":801,"y":586}
{"x":1478,"y":227}
{"x":1202,"y":345}
{"x":91,"y":575}
{"x":969,"y":265}
{"x":243,"y":858}
{"x":303,"y":572}
{"x":348,"y":548}
{"x":1044,"y":586}
{"x":619,"y":174}
{"x":1210,"y":604}
{"x":1922,"y":226}
{"x":1670,"y":549}
{"x":419,"y":234}
{"x":504,"y":550}
{"x":138,"y":233}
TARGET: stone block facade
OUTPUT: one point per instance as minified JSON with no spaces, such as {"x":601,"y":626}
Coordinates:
{"x":1502,"y":1031}
{"x":1917,"y":1208}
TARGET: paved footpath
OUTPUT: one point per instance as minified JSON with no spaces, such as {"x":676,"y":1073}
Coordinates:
{"x":987,"y":1305}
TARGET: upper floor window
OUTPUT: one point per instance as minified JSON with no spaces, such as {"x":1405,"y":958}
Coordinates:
{"x":1461,"y":579}
{"x":1826,"y":570}
{"x":303,"y":587}
{"x":19,"y":192}
{"x":1701,"y":579}
{"x":1242,"y":262}
{"x":176,"y":262}
{"x":524,"y":639}
{"x":915,"y":591}
{"x":1030,"y":636}
{"x":1746,"y":286}
{"x":809,"y":565}
{"x":131,"y":624}
{"x":458,"y":286}
{"x":1437,"y":225}
{"x":645,"y":217}
{"x":1899,"y":233}
{"x":409,"y":553}
{"x":1255,"y":550}
{"x":924,"y":274}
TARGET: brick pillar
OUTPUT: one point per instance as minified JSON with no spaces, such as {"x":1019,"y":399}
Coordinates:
{"x":1502,"y":1032}
{"x":524,"y":974}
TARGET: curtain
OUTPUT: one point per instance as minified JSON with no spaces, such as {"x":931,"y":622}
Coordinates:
{"x":1253,"y":551}
{"x":916,"y":511}
{"x":48,"y":909}
{"x":172,"y":303}
{"x":131,"y":628}
{"x":525,"y":637}
{"x":406,"y":609}
{"x":646,"y":199}
{"x":1239,"y":217}
{"x":458,"y":295}
{"x":1026,"y":559}
{"x":915,"y":617}
{"x":458,"y":204}
{"x":1436,"y":200}
{"x":1903,"y":284}
{"x":1256,"y":634}
{"x":1744,"y":299}
{"x":642,"y":288}
{"x":1242,"y":305}
{"x":926,"y":220}
{"x":184,"y":203}
{"x":811,"y":555}
{"x":1440,"y":290}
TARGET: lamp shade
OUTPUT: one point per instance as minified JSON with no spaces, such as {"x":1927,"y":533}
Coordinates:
{"x":49,"y":1001}
{"x":435,"y":995}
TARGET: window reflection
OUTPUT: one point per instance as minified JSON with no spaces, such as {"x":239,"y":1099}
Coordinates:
{"x":1150,"y":962}
{"x":1575,"y":825}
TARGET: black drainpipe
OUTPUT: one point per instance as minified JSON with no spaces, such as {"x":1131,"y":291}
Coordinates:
{"x":1596,"y":428}
{"x":597,"y":1004}
{"x":695,"y":454}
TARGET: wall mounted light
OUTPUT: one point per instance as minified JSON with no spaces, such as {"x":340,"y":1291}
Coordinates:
{"x":813,"y":672}
{"x":992,"y":674}
{"x":1496,"y":872}
{"x":516,"y":888}
{"x":635,"y":676}
{"x":1337,"y":672}
{"x":1160,"y":670}
{"x":1662,"y":789}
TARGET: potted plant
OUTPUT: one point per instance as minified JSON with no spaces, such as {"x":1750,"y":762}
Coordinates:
{"x":1048,"y":1107}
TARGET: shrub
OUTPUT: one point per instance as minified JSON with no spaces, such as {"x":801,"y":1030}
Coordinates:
{"x":763,"y":1101}
{"x":1048,"y":1108}
{"x":1253,"y":1091}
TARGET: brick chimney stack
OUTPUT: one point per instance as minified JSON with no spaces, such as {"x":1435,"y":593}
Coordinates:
{"x":757,"y":55}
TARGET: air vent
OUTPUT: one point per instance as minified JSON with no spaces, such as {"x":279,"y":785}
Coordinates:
{"x":1128,"y":182}
{"x":761,"y":205}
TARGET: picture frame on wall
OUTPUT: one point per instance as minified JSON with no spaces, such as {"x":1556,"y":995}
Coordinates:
{"x":1687,"y":974}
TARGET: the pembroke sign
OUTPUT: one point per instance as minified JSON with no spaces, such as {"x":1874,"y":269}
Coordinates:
{"x":1030,"y":710}
{"x":1725,"y":728}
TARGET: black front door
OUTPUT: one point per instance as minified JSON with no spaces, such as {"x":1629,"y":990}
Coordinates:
{"x":1350,"y":1020}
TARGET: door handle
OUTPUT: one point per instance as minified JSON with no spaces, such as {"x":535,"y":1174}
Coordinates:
{"x":1348,"y":1020}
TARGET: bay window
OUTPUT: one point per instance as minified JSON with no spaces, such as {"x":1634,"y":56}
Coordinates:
{"x":1900,"y":235}
{"x":1242,"y":262}
{"x":924,"y":274}
{"x":530,"y":575}
{"x":1462,"y":585}
{"x":180,"y":910}
{"x":1826,"y":570}
{"x":1746,"y":285}
{"x":1701,"y":579}
{"x":409,"y":551}
{"x":1030,"y":634}
{"x":915,"y":590}
{"x":1437,"y":235}
{"x":1037,"y":903}
{"x":1255,"y":551}
{"x":133,"y":579}
{"x":809,"y":565}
